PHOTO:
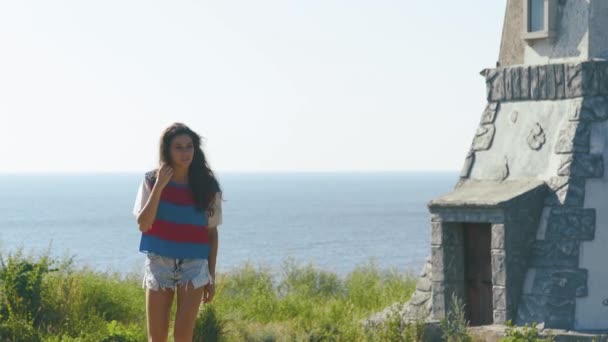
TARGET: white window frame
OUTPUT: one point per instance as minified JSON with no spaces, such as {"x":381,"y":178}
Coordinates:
{"x":549,"y":21}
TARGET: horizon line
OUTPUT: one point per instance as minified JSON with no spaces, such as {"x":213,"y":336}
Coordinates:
{"x":2,"y":173}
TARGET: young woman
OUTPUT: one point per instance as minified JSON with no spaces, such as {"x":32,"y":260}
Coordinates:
{"x":178,"y":209}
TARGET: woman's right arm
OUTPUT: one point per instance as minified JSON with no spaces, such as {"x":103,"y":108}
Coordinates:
{"x":147,"y":215}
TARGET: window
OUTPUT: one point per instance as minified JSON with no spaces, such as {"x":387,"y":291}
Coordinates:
{"x":536,"y":15}
{"x":539,"y":19}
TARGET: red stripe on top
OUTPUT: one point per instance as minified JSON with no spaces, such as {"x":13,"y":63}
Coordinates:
{"x":179,"y":232}
{"x":177,"y":195}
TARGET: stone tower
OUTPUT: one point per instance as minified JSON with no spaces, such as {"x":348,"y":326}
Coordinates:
{"x":524,"y":234}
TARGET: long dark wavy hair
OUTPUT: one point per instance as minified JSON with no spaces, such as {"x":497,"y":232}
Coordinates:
{"x":201,"y":179}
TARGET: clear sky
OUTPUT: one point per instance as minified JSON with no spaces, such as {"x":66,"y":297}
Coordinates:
{"x":308,"y":85}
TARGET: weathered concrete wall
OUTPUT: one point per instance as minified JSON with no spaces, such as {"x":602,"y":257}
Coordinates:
{"x":571,"y":43}
{"x":598,"y":30}
{"x":524,"y":138}
{"x":581,"y":34}
{"x":512,"y":46}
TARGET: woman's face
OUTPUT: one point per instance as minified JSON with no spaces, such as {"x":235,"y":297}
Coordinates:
{"x":182,"y":151}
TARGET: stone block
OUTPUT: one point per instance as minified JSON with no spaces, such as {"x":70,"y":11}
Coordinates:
{"x":436,"y":234}
{"x":602,"y":72}
{"x":574,"y":80}
{"x":536,"y":83}
{"x":499,"y":268}
{"x":593,"y":109}
{"x":484,"y":137}
{"x":550,"y":82}
{"x":516,"y":83}
{"x":489,"y":114}
{"x":496,"y":85}
{"x":571,"y":224}
{"x":560,"y":81}
{"x":498,"y":236}
{"x":469,"y":215}
{"x":574,"y":137}
{"x":424,"y":284}
{"x":419,"y":298}
{"x":559,"y":253}
{"x":556,"y":313}
{"x":582,"y":165}
{"x":560,"y":282}
{"x":500,"y":316}
{"x":542,"y":82}
{"x":508,"y":95}
{"x":568,"y":191}
{"x":468,"y":165}
{"x":439,"y":300}
{"x":525,"y":83}
{"x":499,"y":297}
{"x":437,"y":264}
{"x":591,"y":81}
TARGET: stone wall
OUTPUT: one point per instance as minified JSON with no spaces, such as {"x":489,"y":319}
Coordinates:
{"x":546,"y":82}
{"x":577,"y":96}
{"x":513,"y":225}
{"x":592,"y":310}
{"x":417,"y":309}
{"x":549,"y":123}
{"x":519,"y":231}
{"x":511,"y":44}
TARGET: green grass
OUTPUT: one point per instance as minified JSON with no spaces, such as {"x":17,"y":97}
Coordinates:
{"x":49,"y":300}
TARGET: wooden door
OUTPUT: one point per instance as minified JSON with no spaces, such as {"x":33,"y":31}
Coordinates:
{"x":478,"y":272}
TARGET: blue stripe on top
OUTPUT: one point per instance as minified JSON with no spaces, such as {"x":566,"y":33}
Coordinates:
{"x":172,"y":249}
{"x":182,"y":214}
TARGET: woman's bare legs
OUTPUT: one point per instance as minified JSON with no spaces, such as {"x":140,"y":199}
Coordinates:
{"x":158,"y":310}
{"x":188,"y":303}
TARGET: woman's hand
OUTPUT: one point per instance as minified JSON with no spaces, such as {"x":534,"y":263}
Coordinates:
{"x":163,"y":175}
{"x":208,"y":292}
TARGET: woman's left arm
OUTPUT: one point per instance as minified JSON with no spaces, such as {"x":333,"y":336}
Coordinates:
{"x":213,"y":242}
{"x":214,"y":221}
{"x":209,"y":289}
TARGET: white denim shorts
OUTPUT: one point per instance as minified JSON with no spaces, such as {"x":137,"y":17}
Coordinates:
{"x":162,"y":272}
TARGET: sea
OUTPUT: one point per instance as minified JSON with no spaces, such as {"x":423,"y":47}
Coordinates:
{"x":334,"y":221}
